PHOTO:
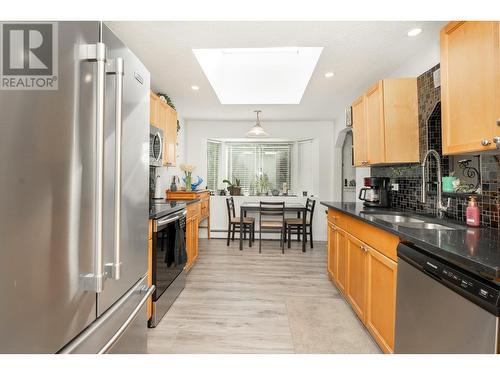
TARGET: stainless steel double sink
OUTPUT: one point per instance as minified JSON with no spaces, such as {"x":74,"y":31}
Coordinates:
{"x":407,"y":221}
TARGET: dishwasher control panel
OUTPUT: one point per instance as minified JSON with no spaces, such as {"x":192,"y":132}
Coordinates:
{"x":471,"y":285}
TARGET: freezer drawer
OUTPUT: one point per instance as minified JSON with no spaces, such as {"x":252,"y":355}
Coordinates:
{"x":121,"y":329}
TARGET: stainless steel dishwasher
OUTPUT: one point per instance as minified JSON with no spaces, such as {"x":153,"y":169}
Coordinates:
{"x":441,"y":308}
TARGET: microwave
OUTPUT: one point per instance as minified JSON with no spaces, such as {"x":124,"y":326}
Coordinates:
{"x":155,"y":146}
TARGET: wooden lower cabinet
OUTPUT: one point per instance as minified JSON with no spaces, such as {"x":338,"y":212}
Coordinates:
{"x":331,"y":253}
{"x":337,"y":256}
{"x":192,"y":226}
{"x":365,"y":274}
{"x":341,"y":244}
{"x":381,"y":299}
{"x":356,"y":276}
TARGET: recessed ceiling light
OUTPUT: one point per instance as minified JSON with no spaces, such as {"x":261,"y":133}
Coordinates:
{"x":329,"y":75}
{"x":195,"y":88}
{"x":415,"y":31}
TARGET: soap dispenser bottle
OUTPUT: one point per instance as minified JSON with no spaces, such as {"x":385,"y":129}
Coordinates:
{"x":472,"y":213}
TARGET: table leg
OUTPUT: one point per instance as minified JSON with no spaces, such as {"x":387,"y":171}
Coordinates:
{"x":304,"y":237}
{"x":241,"y":227}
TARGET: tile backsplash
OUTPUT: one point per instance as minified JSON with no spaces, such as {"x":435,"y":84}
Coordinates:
{"x":409,"y":176}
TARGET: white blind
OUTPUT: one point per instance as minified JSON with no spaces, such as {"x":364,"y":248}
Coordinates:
{"x":247,"y":161}
{"x":213,"y":164}
{"x":305,"y":166}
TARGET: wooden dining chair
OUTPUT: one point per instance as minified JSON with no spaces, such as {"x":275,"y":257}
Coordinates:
{"x":234,"y":224}
{"x":294,"y":226}
{"x":272,"y":220}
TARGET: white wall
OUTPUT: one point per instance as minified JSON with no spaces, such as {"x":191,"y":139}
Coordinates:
{"x":198,"y":131}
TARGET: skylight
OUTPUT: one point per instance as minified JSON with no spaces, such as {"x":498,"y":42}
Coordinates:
{"x":259,"y":75}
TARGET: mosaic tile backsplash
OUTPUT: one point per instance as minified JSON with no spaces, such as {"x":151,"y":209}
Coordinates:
{"x":409,"y":176}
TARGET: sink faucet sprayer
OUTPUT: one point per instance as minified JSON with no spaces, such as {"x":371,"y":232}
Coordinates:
{"x":441,"y":208}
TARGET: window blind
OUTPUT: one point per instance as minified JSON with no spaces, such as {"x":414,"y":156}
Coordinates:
{"x":213,"y":164}
{"x":248,"y":161}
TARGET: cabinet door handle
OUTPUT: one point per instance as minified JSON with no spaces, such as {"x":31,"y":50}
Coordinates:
{"x":485,"y":142}
{"x":496,"y":140}
{"x":498,"y":122}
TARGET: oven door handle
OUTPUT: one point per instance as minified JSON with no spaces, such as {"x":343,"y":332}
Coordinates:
{"x":169,"y":219}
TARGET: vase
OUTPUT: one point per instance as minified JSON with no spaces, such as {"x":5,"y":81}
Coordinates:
{"x":188,"y":182}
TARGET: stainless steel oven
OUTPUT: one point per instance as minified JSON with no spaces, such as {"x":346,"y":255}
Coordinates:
{"x":155,"y":146}
{"x":169,"y":259}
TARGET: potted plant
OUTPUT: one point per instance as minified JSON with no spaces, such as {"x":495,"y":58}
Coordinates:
{"x":263,"y":184}
{"x":233,"y":187}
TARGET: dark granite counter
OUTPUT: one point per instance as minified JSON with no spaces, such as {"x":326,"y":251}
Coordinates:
{"x":476,"y":250}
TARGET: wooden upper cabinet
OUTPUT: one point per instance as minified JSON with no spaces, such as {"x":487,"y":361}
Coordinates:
{"x":470,"y":86}
{"x":153,"y":110}
{"x":359,"y":132}
{"x":401,"y":132}
{"x":165,"y":117}
{"x":375,"y":124}
{"x":170,"y":136}
{"x":385,"y":123}
{"x":381,"y":299}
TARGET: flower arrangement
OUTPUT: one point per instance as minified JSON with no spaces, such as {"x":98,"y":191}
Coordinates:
{"x":188,"y":170}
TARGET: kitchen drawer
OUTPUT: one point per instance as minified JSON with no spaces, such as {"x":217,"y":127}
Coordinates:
{"x":384,"y":242}
{"x":337,"y":218}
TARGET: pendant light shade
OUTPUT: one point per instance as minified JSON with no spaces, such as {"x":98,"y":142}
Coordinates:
{"x":257,"y":130}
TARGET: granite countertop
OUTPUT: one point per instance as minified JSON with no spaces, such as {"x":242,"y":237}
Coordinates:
{"x":476,"y":250}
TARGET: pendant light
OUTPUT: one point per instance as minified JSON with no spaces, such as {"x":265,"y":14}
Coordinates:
{"x":257,"y":130}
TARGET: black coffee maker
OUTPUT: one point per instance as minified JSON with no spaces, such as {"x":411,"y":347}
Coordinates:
{"x":376,"y":192}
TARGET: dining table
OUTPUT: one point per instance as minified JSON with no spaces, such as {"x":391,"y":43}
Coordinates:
{"x":298,"y":208}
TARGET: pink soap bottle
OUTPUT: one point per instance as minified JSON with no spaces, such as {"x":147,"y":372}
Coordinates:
{"x":472,"y":213}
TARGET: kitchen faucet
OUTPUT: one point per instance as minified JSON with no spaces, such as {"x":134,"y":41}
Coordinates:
{"x":441,"y":208}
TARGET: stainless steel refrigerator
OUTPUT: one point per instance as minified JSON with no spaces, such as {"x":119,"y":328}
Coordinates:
{"x":74,"y":201}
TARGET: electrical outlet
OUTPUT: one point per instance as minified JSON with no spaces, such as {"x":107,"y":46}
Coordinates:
{"x":395,"y":187}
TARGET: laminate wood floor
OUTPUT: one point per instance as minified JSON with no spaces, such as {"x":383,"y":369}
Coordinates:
{"x":245,"y":302}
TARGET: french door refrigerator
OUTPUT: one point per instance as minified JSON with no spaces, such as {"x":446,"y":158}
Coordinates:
{"x":74,"y":201}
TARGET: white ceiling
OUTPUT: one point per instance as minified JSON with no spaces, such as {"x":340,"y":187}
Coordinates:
{"x":359,"y":53}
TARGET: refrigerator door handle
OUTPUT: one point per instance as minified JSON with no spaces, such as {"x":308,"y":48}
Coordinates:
{"x":128,"y":321}
{"x":115,"y":67}
{"x":94,"y":282}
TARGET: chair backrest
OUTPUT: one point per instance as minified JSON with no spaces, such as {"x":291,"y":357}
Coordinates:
{"x":230,"y":208}
{"x":272,"y":209}
{"x":310,"y":204}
